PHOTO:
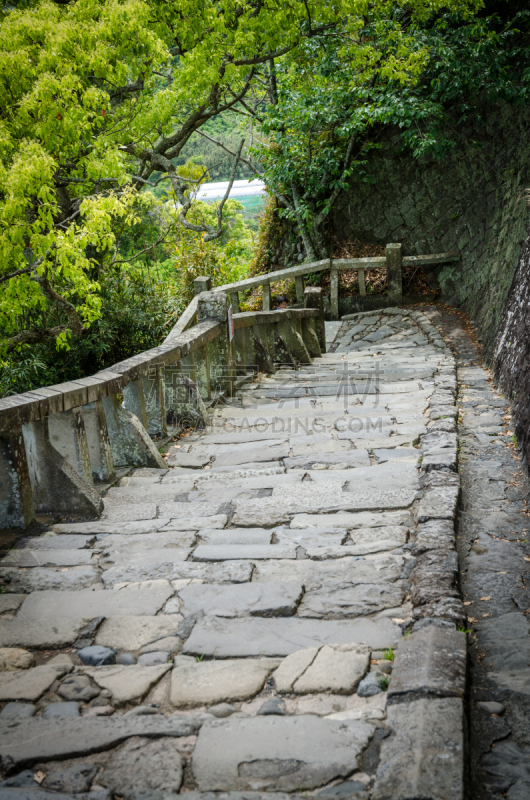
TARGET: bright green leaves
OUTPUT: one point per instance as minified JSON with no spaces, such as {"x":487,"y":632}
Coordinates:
{"x":95,"y":94}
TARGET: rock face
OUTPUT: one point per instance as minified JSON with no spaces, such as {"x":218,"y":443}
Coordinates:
{"x":488,"y":230}
{"x":510,"y":362}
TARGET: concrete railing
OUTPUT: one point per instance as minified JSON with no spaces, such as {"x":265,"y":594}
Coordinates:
{"x":58,"y":441}
{"x":393,"y":261}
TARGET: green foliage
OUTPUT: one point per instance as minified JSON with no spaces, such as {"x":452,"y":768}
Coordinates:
{"x":422,"y":69}
{"x":226,"y":129}
{"x":389,"y":654}
{"x":96,"y":98}
{"x":140,"y":302}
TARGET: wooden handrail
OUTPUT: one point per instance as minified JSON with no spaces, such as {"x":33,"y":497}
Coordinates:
{"x":334,"y":264}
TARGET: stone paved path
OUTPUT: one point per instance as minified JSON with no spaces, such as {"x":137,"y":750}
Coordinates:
{"x":494,"y":549}
{"x":229,"y":624}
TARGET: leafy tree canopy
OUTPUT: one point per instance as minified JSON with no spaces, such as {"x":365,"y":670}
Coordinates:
{"x":334,"y":97}
{"x":99,"y":97}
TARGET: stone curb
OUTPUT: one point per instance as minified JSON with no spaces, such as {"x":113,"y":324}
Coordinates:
{"x":424,"y":754}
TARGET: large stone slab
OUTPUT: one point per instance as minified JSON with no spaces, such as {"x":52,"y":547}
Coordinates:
{"x":36,"y":740}
{"x":424,"y":755}
{"x":436,"y":534}
{"x":209,"y":682}
{"x":431,"y":661}
{"x":43,"y":578}
{"x":225,"y":638}
{"x":195,"y":522}
{"x":143,"y":557}
{"x":233,"y":552}
{"x":145,"y":767}
{"x":353,"y":458}
{"x":127,"y":684}
{"x":336,"y":668}
{"x":319,"y":497}
{"x":241,"y":600}
{"x":313,"y":537}
{"x":349,"y":602}
{"x":225,"y":572}
{"x":314,"y":574}
{"x":48,"y":631}
{"x":236,"y":536}
{"x":30,"y":684}
{"x":349,"y":520}
{"x":144,"y":542}
{"x":132,"y":633}
{"x":47,"y":558}
{"x":10,"y":602}
{"x":41,"y":607}
{"x":51,"y":541}
{"x":150,"y":493}
{"x":438,"y":503}
{"x":127,"y":510}
{"x":179,"y":510}
{"x":102,"y":526}
{"x":235,"y":456}
{"x":277,"y":753}
{"x":315,"y":444}
{"x":321,"y":552}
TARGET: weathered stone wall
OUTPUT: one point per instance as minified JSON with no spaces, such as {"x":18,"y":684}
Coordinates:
{"x":469,"y":201}
{"x":511,"y":356}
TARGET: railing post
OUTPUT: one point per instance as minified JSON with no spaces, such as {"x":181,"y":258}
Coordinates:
{"x":130,"y":443}
{"x":261,"y":356}
{"x":394,"y":276}
{"x":134,"y":401}
{"x":267,"y":299}
{"x":295,"y":343}
{"x":240,"y":350}
{"x":214,"y":306}
{"x":161,"y":397}
{"x":184,"y":403}
{"x":234,"y":299}
{"x":17,"y":509}
{"x":299,"y":286}
{"x":280,"y":349}
{"x":313,"y":299}
{"x":202,"y":372}
{"x":57,"y":485}
{"x":334,"y":293}
{"x":309,"y":335}
{"x":67,"y":434}
{"x":202,"y":284}
{"x":100,"y":452}
{"x":362,"y":281}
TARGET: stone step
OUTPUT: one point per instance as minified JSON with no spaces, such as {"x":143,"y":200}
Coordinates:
{"x":249,"y":637}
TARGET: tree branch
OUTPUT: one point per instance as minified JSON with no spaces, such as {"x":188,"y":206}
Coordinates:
{"x":34,"y":336}
{"x":76,"y":325}
{"x":160,"y":239}
{"x":246,"y":161}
